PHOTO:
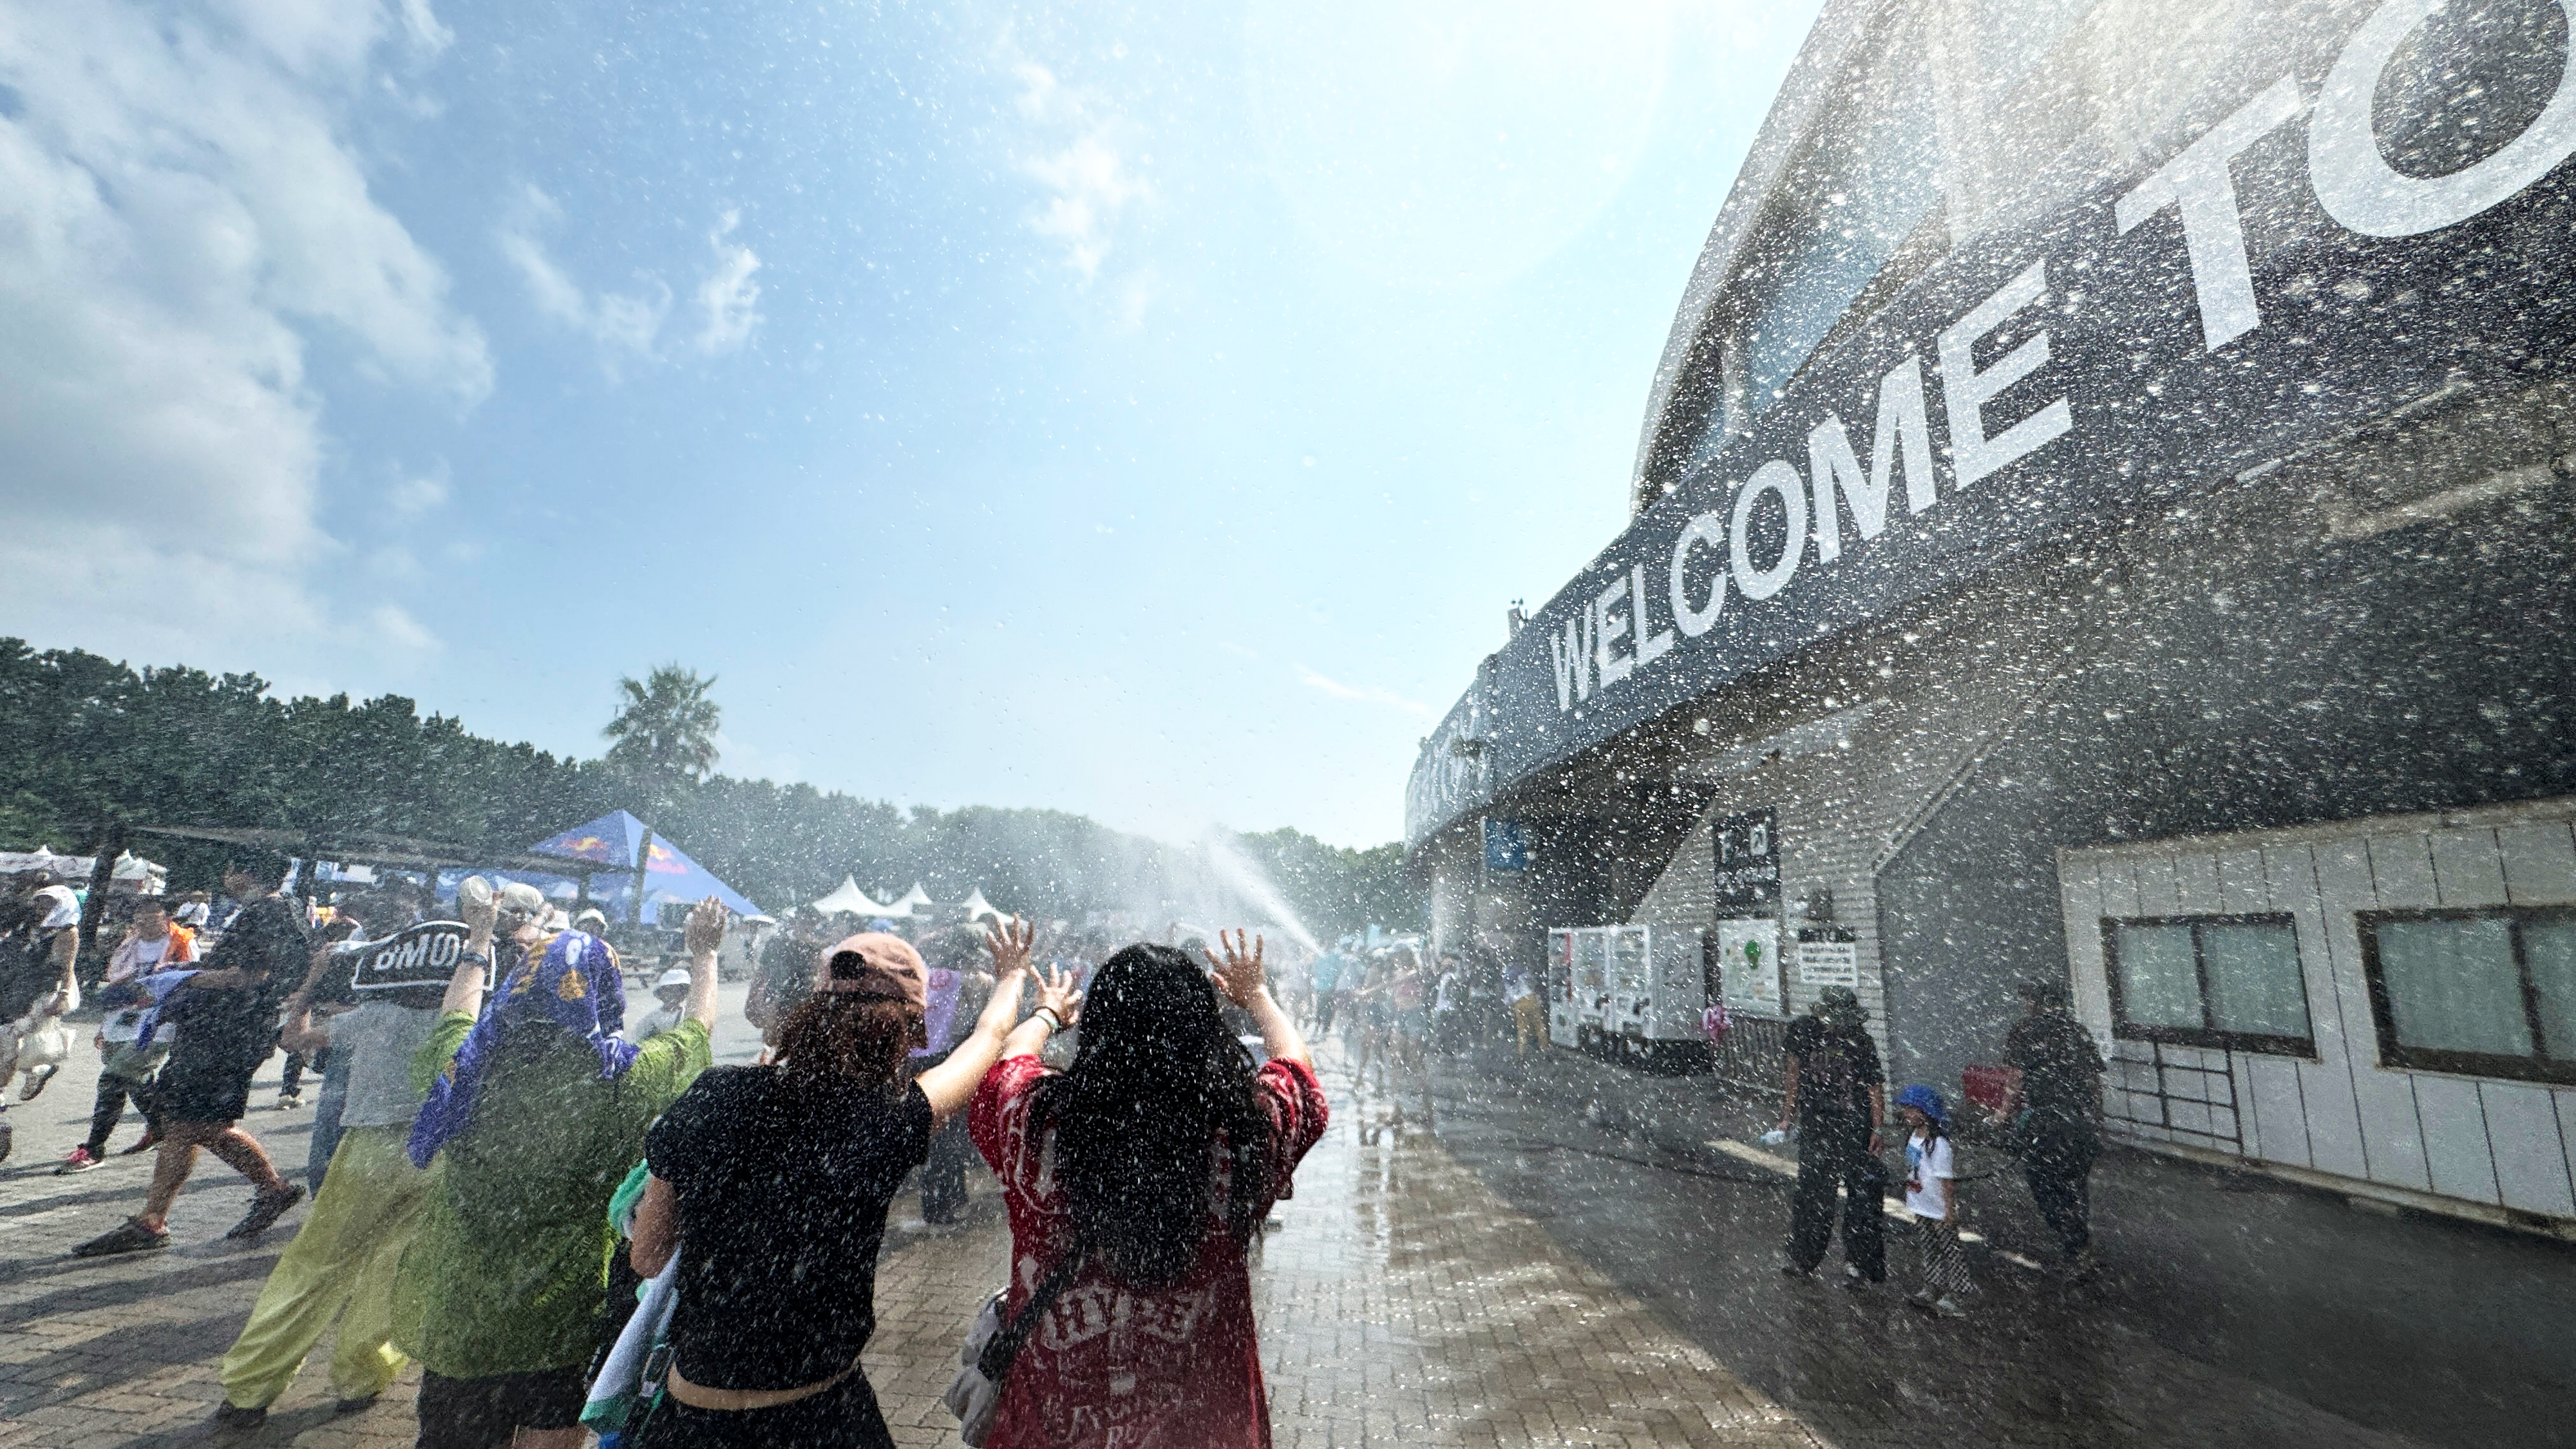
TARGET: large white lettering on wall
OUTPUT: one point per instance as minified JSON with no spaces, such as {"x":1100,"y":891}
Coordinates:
{"x":2354,"y":181}
{"x":2094,"y":367}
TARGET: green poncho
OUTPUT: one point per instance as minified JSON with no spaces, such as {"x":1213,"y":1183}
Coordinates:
{"x":510,"y":1271}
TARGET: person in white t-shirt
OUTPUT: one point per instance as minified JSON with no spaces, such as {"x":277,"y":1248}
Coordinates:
{"x":153,"y":942}
{"x":1932,"y":1196}
{"x":672,"y":991}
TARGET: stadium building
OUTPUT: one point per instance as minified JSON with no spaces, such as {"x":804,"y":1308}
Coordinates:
{"x":2103,"y":514}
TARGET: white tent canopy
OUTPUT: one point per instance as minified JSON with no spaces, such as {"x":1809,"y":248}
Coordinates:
{"x":977,"y":907}
{"x":913,"y":900}
{"x":847,"y":899}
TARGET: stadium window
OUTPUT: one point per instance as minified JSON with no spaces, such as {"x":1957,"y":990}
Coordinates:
{"x":2489,"y":993}
{"x":2211,"y":981}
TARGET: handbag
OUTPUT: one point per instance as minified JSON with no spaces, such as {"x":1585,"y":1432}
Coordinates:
{"x":984,"y":1364}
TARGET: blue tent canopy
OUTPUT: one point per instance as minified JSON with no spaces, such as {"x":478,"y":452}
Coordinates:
{"x":613,"y":840}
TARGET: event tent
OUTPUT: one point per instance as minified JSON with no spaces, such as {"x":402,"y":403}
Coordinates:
{"x":614,"y":839}
{"x":978,"y":908}
{"x":848,"y":900}
{"x":914,"y":900}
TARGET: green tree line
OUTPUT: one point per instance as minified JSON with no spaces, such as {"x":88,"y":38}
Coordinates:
{"x":87,"y":741}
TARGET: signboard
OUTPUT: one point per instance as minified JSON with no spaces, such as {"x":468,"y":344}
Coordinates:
{"x":422,"y":955}
{"x":1506,"y":847}
{"x":1748,"y":964}
{"x":2060,"y":380}
{"x":1748,"y":861}
{"x":1828,"y":956}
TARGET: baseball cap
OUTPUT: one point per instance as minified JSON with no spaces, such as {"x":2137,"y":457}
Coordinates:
{"x":874,"y":966}
{"x":676,"y":976}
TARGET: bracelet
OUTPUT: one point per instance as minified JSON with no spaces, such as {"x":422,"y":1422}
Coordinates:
{"x":1054,"y":1023}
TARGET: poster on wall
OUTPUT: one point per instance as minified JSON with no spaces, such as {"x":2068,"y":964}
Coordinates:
{"x":1828,"y":956}
{"x":1748,"y":860}
{"x":1748,"y":964}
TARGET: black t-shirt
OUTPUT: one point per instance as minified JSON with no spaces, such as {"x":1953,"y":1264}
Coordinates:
{"x":1836,"y":1069}
{"x":234,"y":1023}
{"x":2058,"y":1064}
{"x":782,"y":1202}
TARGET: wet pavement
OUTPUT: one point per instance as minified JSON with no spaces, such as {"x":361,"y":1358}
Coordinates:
{"x":1561,"y":1258}
{"x":2232,"y":1309}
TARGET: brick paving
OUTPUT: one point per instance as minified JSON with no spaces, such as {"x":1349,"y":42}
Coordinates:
{"x":1400,"y":1300}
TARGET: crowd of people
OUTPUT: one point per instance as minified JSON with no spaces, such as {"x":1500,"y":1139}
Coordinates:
{"x":576,"y":1224}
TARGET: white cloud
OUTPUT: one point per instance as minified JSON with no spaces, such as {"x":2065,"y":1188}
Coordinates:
{"x":1360,"y":693}
{"x":622,"y":323}
{"x":417,"y":495}
{"x":179,"y":210}
{"x":628,"y":325}
{"x":1088,"y":178}
{"x":729,"y":297}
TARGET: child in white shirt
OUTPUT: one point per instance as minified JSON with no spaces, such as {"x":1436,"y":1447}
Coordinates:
{"x":1932,"y":1196}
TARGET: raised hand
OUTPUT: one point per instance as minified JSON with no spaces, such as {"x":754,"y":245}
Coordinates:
{"x":1010,"y":942}
{"x":1056,"y":994}
{"x":1238,"y":968}
{"x":705,"y":932}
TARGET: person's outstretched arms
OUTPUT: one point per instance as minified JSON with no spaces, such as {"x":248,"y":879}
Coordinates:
{"x":951,"y":1085}
{"x":1239,"y":976}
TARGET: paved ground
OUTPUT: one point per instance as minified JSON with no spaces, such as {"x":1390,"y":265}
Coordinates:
{"x":1401,"y":1301}
{"x":1569,"y":1255}
{"x":2234,"y":1309}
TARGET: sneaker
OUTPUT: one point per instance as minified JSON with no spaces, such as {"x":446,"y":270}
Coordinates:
{"x":234,"y":1419}
{"x":76,"y":1160}
{"x":37,"y":1077}
{"x":266,"y":1209}
{"x":131,"y":1238}
{"x":1948,"y":1308}
{"x":289,"y":1101}
{"x":150,"y":1141}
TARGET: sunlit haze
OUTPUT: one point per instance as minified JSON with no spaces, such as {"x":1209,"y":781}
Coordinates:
{"x":1148,"y":412}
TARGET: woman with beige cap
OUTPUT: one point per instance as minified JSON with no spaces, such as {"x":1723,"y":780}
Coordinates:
{"x":771,"y":1183}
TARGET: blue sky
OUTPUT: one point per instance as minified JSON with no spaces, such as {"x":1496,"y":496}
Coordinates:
{"x":1146,"y":411}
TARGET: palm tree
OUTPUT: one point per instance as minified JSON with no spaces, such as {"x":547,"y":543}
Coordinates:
{"x":666,"y":731}
{"x":665,"y":735}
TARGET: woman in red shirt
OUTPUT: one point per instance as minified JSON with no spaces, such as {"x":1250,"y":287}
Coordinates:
{"x":1155,"y":1157}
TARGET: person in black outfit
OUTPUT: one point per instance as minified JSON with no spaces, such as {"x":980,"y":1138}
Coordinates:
{"x":2061,"y":1098}
{"x":227,"y":1015}
{"x":1836,"y":1093}
{"x":785,"y":976}
{"x":772,"y":1185}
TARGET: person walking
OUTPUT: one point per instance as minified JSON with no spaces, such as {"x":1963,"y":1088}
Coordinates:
{"x":227,"y":1019}
{"x":1836,"y":1091}
{"x":2061,"y":1111}
{"x":772,"y":1184}
{"x":39,"y":948}
{"x":1932,"y":1196}
{"x":342,"y":1264}
{"x":153,"y":942}
{"x":1325,"y":978}
{"x":1136,"y":1180}
{"x":1529,"y":1013}
{"x":536,"y":1109}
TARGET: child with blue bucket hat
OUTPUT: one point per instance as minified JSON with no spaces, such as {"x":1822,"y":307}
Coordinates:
{"x":1932,"y":1196}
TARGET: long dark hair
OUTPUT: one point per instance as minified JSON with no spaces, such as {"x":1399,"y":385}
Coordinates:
{"x":1157,"y":1082}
